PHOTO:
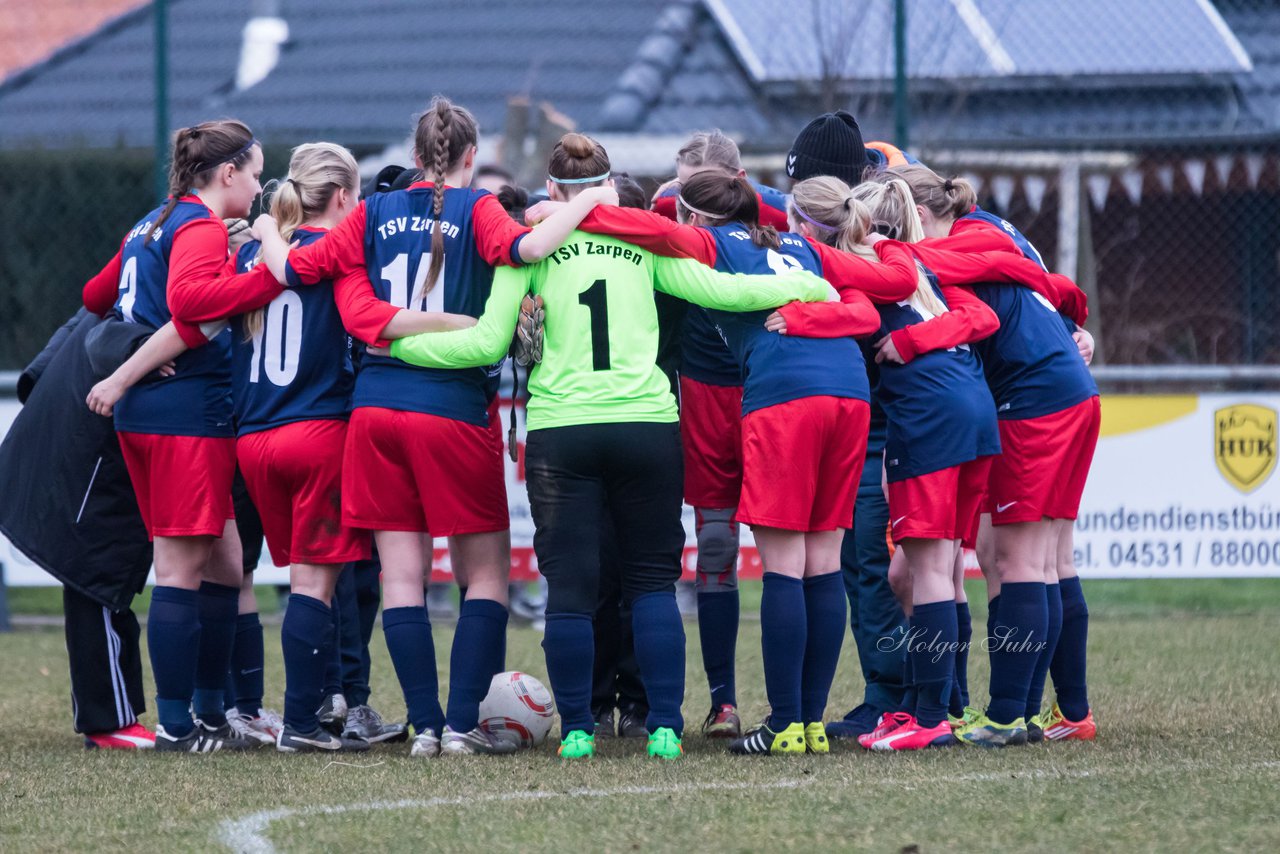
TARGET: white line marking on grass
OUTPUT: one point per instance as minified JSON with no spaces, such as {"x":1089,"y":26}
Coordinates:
{"x":246,"y":834}
{"x":351,"y":765}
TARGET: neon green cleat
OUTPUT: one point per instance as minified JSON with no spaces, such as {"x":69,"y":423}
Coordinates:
{"x":764,"y":740}
{"x":578,"y":744}
{"x":970,"y":715}
{"x":815,"y":738}
{"x":665,"y":744}
{"x":985,"y":732}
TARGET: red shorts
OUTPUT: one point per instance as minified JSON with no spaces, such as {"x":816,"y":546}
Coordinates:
{"x":1044,"y":464}
{"x":294,"y":476}
{"x":801,"y":462}
{"x":408,"y":471}
{"x":183,"y":483}
{"x":711,"y":432}
{"x":940,"y":505}
{"x":495,"y":424}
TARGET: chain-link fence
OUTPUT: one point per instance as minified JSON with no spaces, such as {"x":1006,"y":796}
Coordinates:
{"x":1136,"y":142}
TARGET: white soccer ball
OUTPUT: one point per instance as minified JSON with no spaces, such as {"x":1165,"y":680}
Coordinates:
{"x":518,"y":708}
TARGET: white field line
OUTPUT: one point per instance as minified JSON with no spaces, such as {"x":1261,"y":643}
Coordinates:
{"x":247,"y":834}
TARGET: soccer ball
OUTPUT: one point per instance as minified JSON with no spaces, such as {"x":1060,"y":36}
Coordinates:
{"x":518,"y":708}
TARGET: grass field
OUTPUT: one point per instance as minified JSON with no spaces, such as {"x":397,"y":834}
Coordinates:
{"x":1185,"y":680}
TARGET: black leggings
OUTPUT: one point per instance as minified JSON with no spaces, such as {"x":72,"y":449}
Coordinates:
{"x":616,"y":681}
{"x":634,"y":472}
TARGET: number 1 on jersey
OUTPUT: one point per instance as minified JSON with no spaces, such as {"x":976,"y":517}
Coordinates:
{"x":595,"y":298}
{"x":396,"y":274}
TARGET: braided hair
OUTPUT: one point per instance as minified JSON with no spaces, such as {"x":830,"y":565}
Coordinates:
{"x":444,"y":133}
{"x":197,"y":151}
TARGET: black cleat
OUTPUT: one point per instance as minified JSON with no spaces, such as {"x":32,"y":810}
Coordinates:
{"x":320,"y":741}
{"x":202,"y":739}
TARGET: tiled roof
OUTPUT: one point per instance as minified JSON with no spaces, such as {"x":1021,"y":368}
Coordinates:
{"x":30,"y":32}
{"x":711,"y":87}
{"x":355,"y":76}
{"x":657,"y":67}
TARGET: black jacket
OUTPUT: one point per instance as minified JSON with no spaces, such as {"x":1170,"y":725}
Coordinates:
{"x":66,"y":500}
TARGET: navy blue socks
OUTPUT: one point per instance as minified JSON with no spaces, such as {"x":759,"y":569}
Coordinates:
{"x":1035,"y":694}
{"x":477,"y":650}
{"x":824,"y":606}
{"x":659,"y":646}
{"x":909,"y":690}
{"x":569,"y":645}
{"x":718,"y":631}
{"x":783,"y":635}
{"x":173,"y":633}
{"x":218,"y":604}
{"x":933,"y":659}
{"x":1020,"y":633}
{"x":413,"y":653}
{"x":964,"y":637}
{"x":247,"y":658}
{"x":1068,"y":665}
{"x":306,"y":639}
{"x":993,"y":614}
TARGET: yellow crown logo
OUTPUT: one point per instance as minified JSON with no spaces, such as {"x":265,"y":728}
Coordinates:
{"x":1244,"y":444}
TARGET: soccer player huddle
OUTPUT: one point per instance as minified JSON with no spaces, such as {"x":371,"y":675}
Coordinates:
{"x":870,"y":351}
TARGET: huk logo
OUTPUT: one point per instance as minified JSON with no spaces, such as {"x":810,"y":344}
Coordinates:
{"x":1244,"y":444}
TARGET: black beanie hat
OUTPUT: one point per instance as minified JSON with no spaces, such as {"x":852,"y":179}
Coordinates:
{"x":831,"y":145}
{"x":381,"y":182}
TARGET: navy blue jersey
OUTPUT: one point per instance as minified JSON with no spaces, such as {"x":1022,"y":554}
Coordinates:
{"x":1020,"y":240}
{"x":298,"y":365}
{"x":397,"y":247}
{"x":1032,"y":365}
{"x":940,"y":411}
{"x":778,"y":368}
{"x":703,"y":354}
{"x":196,"y":400}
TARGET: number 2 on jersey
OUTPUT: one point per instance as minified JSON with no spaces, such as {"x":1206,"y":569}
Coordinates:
{"x":595,"y":298}
{"x":128,"y":288}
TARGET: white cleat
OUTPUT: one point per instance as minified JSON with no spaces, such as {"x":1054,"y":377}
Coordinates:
{"x":425,"y":743}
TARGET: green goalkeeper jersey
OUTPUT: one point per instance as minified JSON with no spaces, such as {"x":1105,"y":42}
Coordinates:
{"x":600,"y":347}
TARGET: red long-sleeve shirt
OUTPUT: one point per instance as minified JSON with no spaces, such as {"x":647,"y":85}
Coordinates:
{"x":202,"y":283}
{"x":340,"y":256}
{"x":977,"y":236}
{"x":969,"y":319}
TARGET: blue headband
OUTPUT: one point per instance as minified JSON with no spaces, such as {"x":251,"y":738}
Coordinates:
{"x":578,"y":180}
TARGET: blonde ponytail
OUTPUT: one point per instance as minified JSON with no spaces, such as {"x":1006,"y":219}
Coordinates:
{"x":317,"y":170}
{"x":893,"y":206}
{"x":945,"y":198}
{"x":838,"y":218}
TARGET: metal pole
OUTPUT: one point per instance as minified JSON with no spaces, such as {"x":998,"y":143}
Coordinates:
{"x":901,"y":118}
{"x":162,"y":98}
{"x":5,"y":625}
{"x":1069,"y":218}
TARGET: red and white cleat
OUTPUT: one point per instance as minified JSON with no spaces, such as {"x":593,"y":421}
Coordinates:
{"x":913,"y":736}
{"x":888,"y":722}
{"x":133,"y":737}
{"x":1058,"y":728}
